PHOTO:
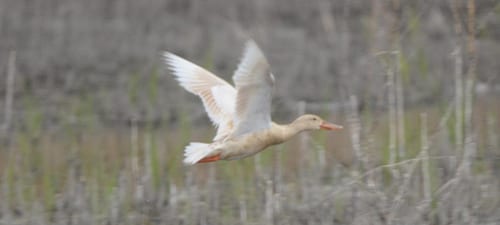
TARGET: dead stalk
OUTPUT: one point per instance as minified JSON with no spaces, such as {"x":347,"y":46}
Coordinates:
{"x":134,"y":145}
{"x":355,"y":131}
{"x":392,"y":119}
{"x":306,"y":160}
{"x":243,"y":210}
{"x":400,"y":108}
{"x":269,"y":209}
{"x":403,"y":188}
{"x":469,"y":150}
{"x":425,"y":161}
{"x":9,"y":96}
{"x":458,"y":100}
{"x":458,"y":77}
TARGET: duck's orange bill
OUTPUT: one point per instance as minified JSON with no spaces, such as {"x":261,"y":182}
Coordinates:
{"x":330,"y":126}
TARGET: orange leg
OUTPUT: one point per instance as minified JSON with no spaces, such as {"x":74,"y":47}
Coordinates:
{"x":210,"y":159}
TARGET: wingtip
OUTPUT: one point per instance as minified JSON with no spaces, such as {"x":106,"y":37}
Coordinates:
{"x":253,"y":50}
{"x":252,"y":45}
{"x":252,"y":56}
{"x":175,"y":63}
{"x":169,"y":58}
{"x":251,"y":42}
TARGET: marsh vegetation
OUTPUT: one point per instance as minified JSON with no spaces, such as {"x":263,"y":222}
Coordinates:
{"x":93,"y":127}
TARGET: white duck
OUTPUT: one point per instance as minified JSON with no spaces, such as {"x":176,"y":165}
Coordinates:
{"x":242,"y":114}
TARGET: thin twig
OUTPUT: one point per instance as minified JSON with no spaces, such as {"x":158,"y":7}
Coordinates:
{"x":357,"y":179}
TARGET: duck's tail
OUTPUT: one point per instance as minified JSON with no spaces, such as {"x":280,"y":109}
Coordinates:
{"x":197,"y":152}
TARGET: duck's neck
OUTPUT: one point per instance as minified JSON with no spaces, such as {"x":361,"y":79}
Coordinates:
{"x":287,"y":131}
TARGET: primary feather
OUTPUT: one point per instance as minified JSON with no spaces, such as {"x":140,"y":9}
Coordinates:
{"x":217,"y":95}
{"x":254,"y":84}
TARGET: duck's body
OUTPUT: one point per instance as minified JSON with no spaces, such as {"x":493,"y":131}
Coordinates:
{"x":242,"y":114}
{"x":251,"y":144}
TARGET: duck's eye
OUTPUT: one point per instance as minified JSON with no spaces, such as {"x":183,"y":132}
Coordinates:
{"x":314,"y":118}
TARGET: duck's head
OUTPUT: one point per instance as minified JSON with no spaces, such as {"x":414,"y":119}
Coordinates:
{"x":313,"y":122}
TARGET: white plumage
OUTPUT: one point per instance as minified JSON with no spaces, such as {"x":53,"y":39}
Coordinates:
{"x":217,"y":95}
{"x":254,"y":84}
{"x":234,"y":112}
{"x":242,"y":115}
{"x":196,"y":151}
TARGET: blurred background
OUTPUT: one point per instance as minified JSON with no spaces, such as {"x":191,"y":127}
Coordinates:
{"x":93,"y":125}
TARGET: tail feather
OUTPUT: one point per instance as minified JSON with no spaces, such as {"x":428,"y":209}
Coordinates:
{"x":195,"y":152}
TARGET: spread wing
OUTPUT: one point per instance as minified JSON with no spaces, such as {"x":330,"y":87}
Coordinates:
{"x":254,"y":84}
{"x":218,"y":97}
